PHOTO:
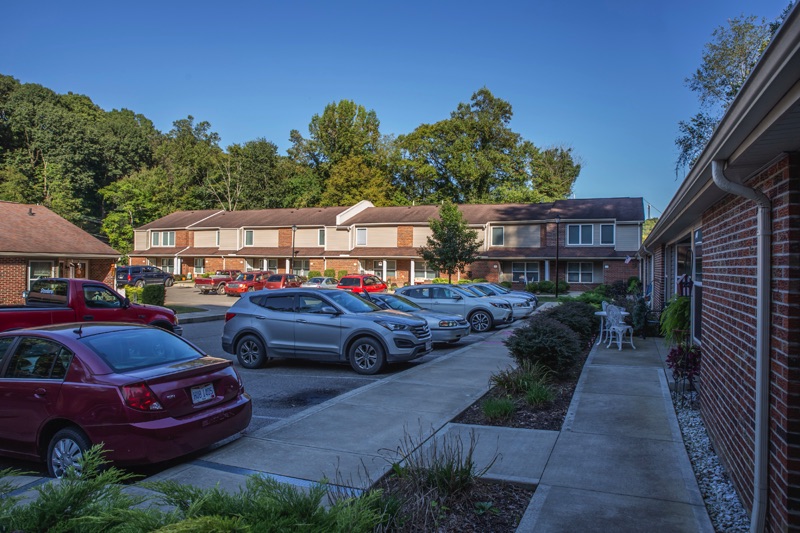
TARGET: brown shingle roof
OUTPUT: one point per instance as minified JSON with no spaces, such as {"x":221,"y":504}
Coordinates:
{"x":257,"y":218}
{"x":181,"y":219}
{"x":34,"y":229}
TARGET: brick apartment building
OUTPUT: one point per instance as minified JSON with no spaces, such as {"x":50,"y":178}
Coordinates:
{"x":36,"y":242}
{"x":734,"y":228}
{"x":593,"y":241}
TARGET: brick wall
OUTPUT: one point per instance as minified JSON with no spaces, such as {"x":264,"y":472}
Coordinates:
{"x":728,"y":332}
{"x":102,"y":270}
{"x":350,"y":265}
{"x":619,"y":271}
{"x":405,"y":236}
{"x":13,"y":280}
{"x":658,"y":278}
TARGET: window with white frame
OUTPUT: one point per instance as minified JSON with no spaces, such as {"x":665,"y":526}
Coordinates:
{"x":39,"y":269}
{"x":361,"y":236}
{"x":248,"y":237}
{"x":321,"y":237}
{"x":301,"y":266}
{"x":199,"y":265}
{"x":391,"y":268}
{"x":168,"y":264}
{"x":607,"y":234}
{"x":580,"y":272}
{"x":271,"y":264}
{"x":579,"y":234}
{"x":498,"y":236}
{"x":163,"y":238}
{"x":525,"y":272}
{"x":422,"y":270}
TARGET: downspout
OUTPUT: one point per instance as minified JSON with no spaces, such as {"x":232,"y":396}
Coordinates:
{"x":763,"y":301}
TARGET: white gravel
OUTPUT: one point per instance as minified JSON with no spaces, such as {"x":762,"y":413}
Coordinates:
{"x":722,"y":502}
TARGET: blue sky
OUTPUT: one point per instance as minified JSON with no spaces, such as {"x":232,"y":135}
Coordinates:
{"x":604,"y":77}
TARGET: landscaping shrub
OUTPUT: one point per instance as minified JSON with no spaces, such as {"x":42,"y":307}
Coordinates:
{"x":342,"y":273}
{"x":439,"y":280}
{"x":330,"y":273}
{"x":134,"y":294}
{"x":498,"y":408}
{"x":547,"y":341}
{"x":506,"y":284}
{"x":521,"y":379}
{"x":578,"y":316}
{"x":547,"y":287}
{"x":314,"y":273}
{"x":539,"y":394}
{"x":153,"y":294}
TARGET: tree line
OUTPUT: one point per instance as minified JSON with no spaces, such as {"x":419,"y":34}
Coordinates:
{"x":111,"y":171}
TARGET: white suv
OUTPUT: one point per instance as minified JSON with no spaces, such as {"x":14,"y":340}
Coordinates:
{"x":483,"y":313}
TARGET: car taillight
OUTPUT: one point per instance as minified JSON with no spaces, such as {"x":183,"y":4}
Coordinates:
{"x":130,"y":277}
{"x":228,"y":316}
{"x":141,"y":398}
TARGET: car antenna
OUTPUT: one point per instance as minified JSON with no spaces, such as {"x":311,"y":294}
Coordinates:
{"x":366,"y":295}
{"x":79,"y":331}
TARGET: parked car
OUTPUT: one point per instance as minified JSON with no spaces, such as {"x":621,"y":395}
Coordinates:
{"x":321,"y":283}
{"x":60,"y":300}
{"x":482,"y":313}
{"x":521,"y":307}
{"x":283,"y":281}
{"x":499,"y":290}
{"x":216,"y":282}
{"x":247,"y":282}
{"x":362,"y":282}
{"x":139,"y":276}
{"x":146,"y":394}
{"x":323,"y":325}
{"x":444,"y":326}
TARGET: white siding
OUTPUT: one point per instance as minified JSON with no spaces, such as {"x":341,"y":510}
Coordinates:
{"x":140,"y":240}
{"x":205,"y":239}
{"x":337,"y":240}
{"x":229,"y":239}
{"x":421,"y":235}
{"x":382,"y":237}
{"x":265,"y":238}
{"x":306,"y":237}
{"x":627,"y":237}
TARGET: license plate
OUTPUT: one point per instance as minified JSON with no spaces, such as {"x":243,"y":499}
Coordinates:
{"x":203,"y":393}
{"x":429,"y":345}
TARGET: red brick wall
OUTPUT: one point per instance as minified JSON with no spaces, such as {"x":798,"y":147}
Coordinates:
{"x":13,"y":280}
{"x":405,"y":236}
{"x":350,"y":265}
{"x":619,"y":271}
{"x":102,"y":270}
{"x":658,"y":278}
{"x":728,"y":332}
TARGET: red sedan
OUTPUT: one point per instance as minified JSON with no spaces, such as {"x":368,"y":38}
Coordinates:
{"x":146,"y":394}
{"x":247,"y":282}
{"x":282,"y":281}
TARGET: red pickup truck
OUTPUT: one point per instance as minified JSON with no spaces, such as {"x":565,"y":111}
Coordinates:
{"x":60,"y":300}
{"x":217,"y":282}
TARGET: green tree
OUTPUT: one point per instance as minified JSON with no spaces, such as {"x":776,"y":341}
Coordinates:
{"x":648,"y":226}
{"x":452,"y":246}
{"x":352,"y":180}
{"x":727,"y":61}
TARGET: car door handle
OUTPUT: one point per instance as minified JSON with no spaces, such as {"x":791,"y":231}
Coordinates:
{"x":88,"y":317}
{"x":302,"y":321}
{"x":261,"y":317}
{"x":40,"y":391}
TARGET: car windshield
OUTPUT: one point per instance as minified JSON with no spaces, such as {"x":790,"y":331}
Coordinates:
{"x":465,"y":293}
{"x":483,"y":290}
{"x":351,"y":302}
{"x":500,"y":289}
{"x":137,"y":348}
{"x":350,"y":282}
{"x":316,"y":280}
{"x":398,"y":303}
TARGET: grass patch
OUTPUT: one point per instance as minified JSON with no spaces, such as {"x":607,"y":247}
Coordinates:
{"x":539,"y":394}
{"x":180,"y":309}
{"x":498,"y":408}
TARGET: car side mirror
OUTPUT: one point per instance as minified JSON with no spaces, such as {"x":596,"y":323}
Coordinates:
{"x":126,"y":303}
{"x":328,"y":310}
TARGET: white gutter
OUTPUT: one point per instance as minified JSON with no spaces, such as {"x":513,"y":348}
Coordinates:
{"x":763,"y":300}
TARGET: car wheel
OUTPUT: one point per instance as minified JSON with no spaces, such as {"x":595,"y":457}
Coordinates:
{"x":139,"y":284}
{"x":251,"y":352}
{"x":65,"y":450}
{"x":366,"y":356}
{"x":480,"y":321}
{"x":169,"y":282}
{"x":221,"y":288}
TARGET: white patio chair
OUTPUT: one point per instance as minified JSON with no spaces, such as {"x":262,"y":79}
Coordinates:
{"x":617,"y":328}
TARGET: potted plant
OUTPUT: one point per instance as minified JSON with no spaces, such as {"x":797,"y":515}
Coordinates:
{"x":676,"y":320}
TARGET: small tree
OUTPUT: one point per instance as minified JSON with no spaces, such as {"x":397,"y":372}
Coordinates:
{"x":453,"y":245}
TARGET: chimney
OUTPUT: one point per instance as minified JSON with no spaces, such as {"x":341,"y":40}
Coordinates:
{"x":30,"y":212}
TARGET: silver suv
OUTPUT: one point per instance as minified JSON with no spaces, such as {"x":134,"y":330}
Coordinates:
{"x":324,"y":325}
{"x":521,"y":307}
{"x":482,"y":313}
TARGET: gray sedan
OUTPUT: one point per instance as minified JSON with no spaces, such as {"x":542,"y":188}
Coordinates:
{"x":445,"y":327}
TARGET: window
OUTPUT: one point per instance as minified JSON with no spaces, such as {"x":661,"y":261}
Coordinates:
{"x":168,"y":264}
{"x":607,"y":234}
{"x":498,"y":236}
{"x":199,"y":265}
{"x":525,"y":272}
{"x":300,"y":266}
{"x":216,"y":238}
{"x":391,"y":268}
{"x":271,"y":264}
{"x":248,"y":237}
{"x":281,"y":304}
{"x":321,"y":237}
{"x":100,"y":297}
{"x":39,"y":269}
{"x":579,"y":272}
{"x":39,"y":359}
{"x":163,"y":238}
{"x":579,"y":234}
{"x":361,"y":236}
{"x":423,"y":271}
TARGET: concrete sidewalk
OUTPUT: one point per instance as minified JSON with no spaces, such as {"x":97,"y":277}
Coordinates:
{"x":618,"y":464}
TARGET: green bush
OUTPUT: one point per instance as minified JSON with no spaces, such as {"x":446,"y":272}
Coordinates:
{"x":153,"y":294}
{"x":330,"y":273}
{"x":342,"y":273}
{"x":676,"y":320}
{"x":547,"y":341}
{"x":578,"y":316}
{"x":521,"y":379}
{"x":314,"y":273}
{"x":134,"y":294}
{"x":539,"y":394}
{"x":547,"y":286}
{"x":498,"y":408}
{"x":439,"y":280}
{"x":506,"y":284}
{"x":592,"y":298}
{"x":465,"y":281}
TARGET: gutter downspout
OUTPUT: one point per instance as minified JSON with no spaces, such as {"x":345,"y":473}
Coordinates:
{"x":763,"y":301}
